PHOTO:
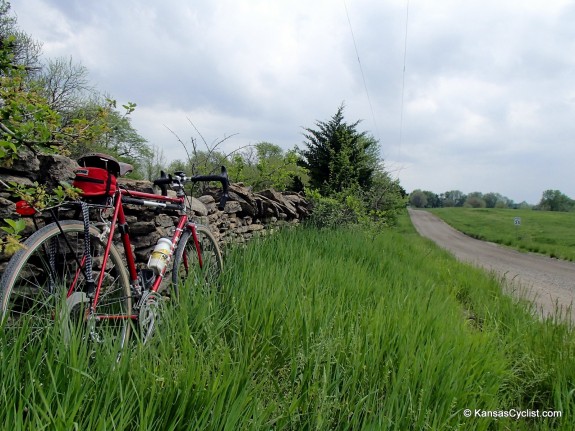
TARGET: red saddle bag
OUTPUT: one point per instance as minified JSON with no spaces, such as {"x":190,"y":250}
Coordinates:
{"x":95,"y":182}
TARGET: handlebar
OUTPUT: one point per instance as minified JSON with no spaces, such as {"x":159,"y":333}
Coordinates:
{"x":180,"y":178}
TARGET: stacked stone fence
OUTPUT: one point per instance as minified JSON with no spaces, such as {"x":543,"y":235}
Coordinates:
{"x":246,"y":214}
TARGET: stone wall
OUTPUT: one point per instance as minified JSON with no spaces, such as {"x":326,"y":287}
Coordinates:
{"x":245,"y":216}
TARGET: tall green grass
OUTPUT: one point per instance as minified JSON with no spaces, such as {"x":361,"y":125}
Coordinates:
{"x":311,"y":330}
{"x":546,"y":232}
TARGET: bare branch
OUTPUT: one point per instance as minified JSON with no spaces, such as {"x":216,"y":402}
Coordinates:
{"x":239,"y":149}
{"x":198,"y":132}
{"x":181,"y":142}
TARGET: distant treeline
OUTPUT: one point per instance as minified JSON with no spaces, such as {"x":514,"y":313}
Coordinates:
{"x":551,"y":200}
{"x":456,"y":198}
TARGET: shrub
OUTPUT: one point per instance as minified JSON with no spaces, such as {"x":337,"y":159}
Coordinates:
{"x":352,"y":206}
{"x":328,"y":212}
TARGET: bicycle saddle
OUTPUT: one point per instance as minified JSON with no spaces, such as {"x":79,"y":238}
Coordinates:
{"x":125,"y":168}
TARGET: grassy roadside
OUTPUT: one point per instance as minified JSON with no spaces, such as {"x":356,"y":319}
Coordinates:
{"x":545,"y":232}
{"x":312,"y":330}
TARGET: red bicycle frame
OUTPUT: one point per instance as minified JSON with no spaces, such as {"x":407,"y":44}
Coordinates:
{"x":119,"y":219}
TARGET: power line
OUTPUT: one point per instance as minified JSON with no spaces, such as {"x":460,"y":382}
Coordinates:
{"x":403,"y":78}
{"x":361,"y":70}
{"x":401,"y":168}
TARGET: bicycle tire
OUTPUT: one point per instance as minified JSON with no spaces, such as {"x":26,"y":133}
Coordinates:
{"x":186,"y":267}
{"x":34,"y":289}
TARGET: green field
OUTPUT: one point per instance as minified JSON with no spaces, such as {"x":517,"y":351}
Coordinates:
{"x":545,"y":232}
{"x":311,"y":330}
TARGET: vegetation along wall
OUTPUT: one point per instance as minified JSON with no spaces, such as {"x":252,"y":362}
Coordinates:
{"x":245,"y":216}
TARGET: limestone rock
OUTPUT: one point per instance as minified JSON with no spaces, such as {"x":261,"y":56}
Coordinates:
{"x":286,"y":205}
{"x":255,"y":227}
{"x":232,"y":207}
{"x":199,"y":207}
{"x":7,"y":209}
{"x":163,"y":220}
{"x":142,"y":228}
{"x":137,"y":185}
{"x":207,"y":199}
{"x":27,"y":165}
{"x":55,"y":168}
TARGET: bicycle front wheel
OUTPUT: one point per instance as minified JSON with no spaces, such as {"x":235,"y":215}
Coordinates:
{"x":200,"y":265}
{"x":45,"y":285}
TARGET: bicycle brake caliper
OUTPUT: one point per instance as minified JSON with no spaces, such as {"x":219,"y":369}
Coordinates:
{"x":105,"y":232}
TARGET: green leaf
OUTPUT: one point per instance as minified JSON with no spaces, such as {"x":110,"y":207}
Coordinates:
{"x":15,"y":226}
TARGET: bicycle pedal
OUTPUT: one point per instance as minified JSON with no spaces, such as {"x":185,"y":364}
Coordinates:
{"x":165,"y":293}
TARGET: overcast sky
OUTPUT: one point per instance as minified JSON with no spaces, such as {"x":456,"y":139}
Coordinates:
{"x":488,"y":89}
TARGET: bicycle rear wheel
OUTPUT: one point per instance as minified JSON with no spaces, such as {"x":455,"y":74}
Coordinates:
{"x":187,"y":267}
{"x":45,"y":285}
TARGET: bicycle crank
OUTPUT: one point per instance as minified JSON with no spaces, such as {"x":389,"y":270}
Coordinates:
{"x":149,"y":314}
{"x":72,"y":313}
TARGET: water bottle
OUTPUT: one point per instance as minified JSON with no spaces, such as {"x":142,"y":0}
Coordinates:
{"x":160,"y":255}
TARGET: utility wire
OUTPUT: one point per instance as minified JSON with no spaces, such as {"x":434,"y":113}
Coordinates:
{"x":403,"y":78}
{"x":361,"y":69}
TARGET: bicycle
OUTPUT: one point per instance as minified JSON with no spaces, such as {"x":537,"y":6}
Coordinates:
{"x":74,"y":271}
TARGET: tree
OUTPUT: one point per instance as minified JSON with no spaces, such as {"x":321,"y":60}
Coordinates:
{"x":25,"y":118}
{"x":338,"y":156}
{"x":433,"y":200}
{"x":522,"y":205}
{"x":45,"y":111}
{"x":496,"y":200}
{"x":25,"y":51}
{"x":385,"y":194}
{"x":120,"y":139}
{"x":491,"y":199}
{"x":475,"y":200}
{"x":65,"y":86}
{"x":554,"y":200}
{"x":418,"y":199}
{"x":424,"y":199}
{"x":347,"y":179}
{"x":200,"y":162}
{"x":266,"y":165}
{"x":453,"y":198}
{"x":153,"y":164}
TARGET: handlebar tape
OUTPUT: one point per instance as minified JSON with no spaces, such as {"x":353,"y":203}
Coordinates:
{"x":163,"y":182}
{"x":222,"y":178}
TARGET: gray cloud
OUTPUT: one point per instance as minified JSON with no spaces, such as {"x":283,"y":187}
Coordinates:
{"x":489,"y":98}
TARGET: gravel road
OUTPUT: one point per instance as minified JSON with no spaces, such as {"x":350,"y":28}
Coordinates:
{"x":549,"y":282}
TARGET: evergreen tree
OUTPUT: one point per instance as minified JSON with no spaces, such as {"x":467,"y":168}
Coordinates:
{"x":338,"y":156}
